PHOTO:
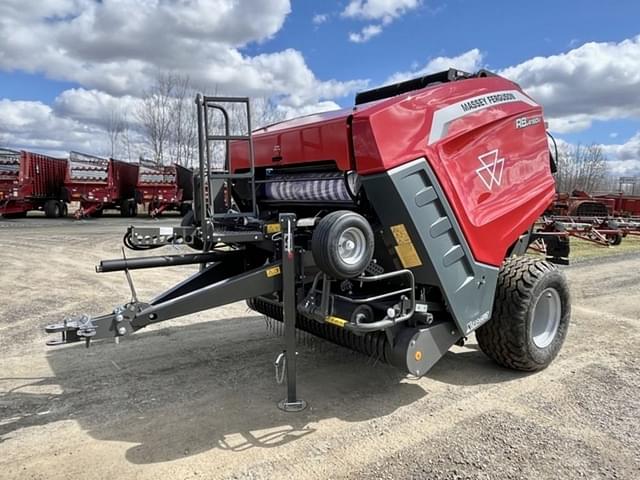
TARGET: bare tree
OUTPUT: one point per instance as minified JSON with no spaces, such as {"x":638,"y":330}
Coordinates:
{"x":264,"y":111}
{"x":126,"y":141}
{"x":184,"y":134}
{"x":167,"y":119}
{"x":155,"y":115}
{"x":114,"y":128}
{"x":581,"y":167}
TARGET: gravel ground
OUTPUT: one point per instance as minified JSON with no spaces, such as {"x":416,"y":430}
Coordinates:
{"x":195,"y":397}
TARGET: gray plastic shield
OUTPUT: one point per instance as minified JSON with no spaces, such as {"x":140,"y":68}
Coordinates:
{"x":411,"y":195}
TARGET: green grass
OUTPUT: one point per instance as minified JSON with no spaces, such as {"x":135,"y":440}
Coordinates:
{"x":581,"y":249}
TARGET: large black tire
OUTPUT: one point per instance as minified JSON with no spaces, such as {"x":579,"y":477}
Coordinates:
{"x":64,"y":210}
{"x":124,"y":208}
{"x":52,"y":209}
{"x":128,"y":208}
{"x":509,"y":337}
{"x":326,"y":249}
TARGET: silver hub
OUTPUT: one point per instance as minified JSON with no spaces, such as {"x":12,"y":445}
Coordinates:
{"x":352,"y":246}
{"x":546,"y":317}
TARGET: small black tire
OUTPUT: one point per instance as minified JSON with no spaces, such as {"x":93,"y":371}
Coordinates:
{"x":615,"y":239}
{"x":509,"y":337}
{"x":325,"y":245}
{"x":52,"y":209}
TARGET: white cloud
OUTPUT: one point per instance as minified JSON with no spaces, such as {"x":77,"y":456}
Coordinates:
{"x":470,"y":61}
{"x":596,"y":81}
{"x":120,"y":46}
{"x":320,"y":18}
{"x":366,"y":34}
{"x":93,"y":106}
{"x":624,"y":158}
{"x":36,"y":126}
{"x":292,"y":112}
{"x":115,"y":49}
{"x":384,"y":11}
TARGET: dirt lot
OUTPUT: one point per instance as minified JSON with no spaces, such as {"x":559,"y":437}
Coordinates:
{"x":195,"y":398}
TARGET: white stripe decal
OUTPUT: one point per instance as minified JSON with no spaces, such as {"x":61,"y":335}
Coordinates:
{"x":443,"y":117}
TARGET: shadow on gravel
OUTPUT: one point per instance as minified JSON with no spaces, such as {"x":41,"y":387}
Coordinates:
{"x":471,"y":368}
{"x":184,"y":390}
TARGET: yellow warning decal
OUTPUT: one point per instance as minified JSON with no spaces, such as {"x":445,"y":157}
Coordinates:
{"x":272,"y":227}
{"x":405,"y":250}
{"x":273,"y":271}
{"x":339,"y":322}
{"x":400,"y":234}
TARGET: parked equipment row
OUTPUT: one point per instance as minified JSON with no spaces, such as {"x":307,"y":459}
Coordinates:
{"x":31,"y":181}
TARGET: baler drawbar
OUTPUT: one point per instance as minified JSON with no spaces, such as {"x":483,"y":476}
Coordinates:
{"x":396,"y":228}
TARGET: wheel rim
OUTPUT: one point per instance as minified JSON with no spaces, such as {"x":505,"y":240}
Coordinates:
{"x":546,"y":317}
{"x":352,"y":246}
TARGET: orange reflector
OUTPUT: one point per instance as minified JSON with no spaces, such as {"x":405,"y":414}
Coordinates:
{"x":418,"y":356}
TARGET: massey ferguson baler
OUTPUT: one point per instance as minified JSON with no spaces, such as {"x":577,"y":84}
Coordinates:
{"x":100,"y":184}
{"x":164,"y":187}
{"x":30,"y":181}
{"x":395,"y":228}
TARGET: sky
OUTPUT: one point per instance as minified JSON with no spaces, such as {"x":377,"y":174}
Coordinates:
{"x":64,"y":64}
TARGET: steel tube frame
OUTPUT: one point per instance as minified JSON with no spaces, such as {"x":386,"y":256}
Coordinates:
{"x":117,"y":265}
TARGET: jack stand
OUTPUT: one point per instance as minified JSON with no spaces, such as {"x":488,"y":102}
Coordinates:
{"x":289,"y":256}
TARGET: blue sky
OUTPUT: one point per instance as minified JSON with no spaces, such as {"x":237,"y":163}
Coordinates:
{"x":63,"y":63}
{"x":507,"y":32}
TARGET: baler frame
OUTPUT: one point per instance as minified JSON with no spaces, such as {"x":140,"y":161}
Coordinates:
{"x":230,"y":274}
{"x":381,"y":264}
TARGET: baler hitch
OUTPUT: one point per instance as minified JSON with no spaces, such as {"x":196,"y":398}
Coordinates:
{"x":84,"y":327}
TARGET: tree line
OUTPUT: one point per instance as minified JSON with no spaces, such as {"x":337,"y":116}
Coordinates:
{"x":163,"y":127}
{"x":583,"y":167}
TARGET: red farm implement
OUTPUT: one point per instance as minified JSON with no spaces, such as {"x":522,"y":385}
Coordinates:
{"x":623,"y":205}
{"x":100,"y":184}
{"x":30,"y":181}
{"x":581,"y":204}
{"x":164,"y":188}
{"x":551,"y":233}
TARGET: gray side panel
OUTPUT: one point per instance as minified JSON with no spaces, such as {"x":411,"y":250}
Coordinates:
{"x":410,"y":195}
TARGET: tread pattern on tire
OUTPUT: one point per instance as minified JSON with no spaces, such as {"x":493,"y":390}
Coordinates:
{"x":505,"y":337}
